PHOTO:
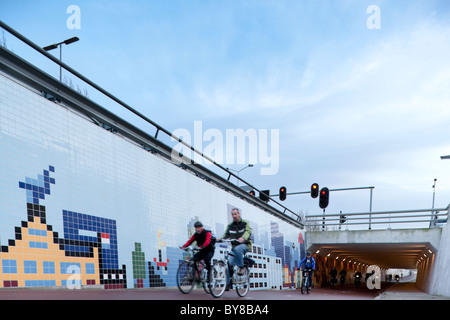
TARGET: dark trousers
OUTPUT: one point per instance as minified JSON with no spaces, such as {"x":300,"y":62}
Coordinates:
{"x":309,"y":276}
{"x":206,"y":255}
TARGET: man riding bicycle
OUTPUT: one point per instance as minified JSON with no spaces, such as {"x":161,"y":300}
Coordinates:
{"x":239,"y":230}
{"x":203,"y":238}
{"x":310,"y":265}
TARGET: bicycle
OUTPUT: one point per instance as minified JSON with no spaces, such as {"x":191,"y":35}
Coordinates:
{"x":190,"y":272}
{"x":333,"y":281}
{"x":305,"y":282}
{"x":219,"y":274}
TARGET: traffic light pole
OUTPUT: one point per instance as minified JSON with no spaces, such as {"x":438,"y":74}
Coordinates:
{"x":323,"y":221}
{"x":370,"y":201}
{"x":340,"y":189}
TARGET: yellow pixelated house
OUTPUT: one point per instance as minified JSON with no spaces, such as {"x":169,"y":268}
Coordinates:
{"x":33,"y":259}
{"x":37,"y":257}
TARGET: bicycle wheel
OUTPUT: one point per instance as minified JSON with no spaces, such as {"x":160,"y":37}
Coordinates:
{"x":219,"y":279}
{"x":185,"y":277}
{"x":242,"y":282}
{"x":305,"y":284}
{"x":205,"y":281}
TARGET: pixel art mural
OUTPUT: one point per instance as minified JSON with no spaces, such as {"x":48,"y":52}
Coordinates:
{"x":39,"y":257}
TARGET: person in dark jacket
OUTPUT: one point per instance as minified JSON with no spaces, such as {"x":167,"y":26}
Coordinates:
{"x":309,"y":265}
{"x":203,"y":239}
{"x":240,"y":230}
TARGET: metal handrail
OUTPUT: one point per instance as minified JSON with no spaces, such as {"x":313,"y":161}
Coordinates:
{"x":381,"y":212}
{"x":137,"y":113}
{"x":383,"y":217}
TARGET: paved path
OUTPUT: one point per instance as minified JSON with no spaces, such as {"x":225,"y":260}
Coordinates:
{"x":348,"y":292}
{"x":197,"y":304}
{"x":407,"y":291}
{"x":392,"y":291}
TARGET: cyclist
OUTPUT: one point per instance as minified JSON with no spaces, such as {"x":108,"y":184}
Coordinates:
{"x":204,"y":241}
{"x":343,"y":275}
{"x":333,"y":274}
{"x":310,"y":265}
{"x":240,"y":230}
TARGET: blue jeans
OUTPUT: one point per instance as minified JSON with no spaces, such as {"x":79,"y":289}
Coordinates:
{"x":238,"y":259}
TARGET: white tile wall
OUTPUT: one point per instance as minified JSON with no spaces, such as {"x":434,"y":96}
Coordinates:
{"x":100,"y":174}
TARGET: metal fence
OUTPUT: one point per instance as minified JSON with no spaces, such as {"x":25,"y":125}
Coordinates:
{"x":419,"y":218}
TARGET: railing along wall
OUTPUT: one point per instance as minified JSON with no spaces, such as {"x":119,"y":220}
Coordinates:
{"x":419,"y":218}
{"x":280,"y":210}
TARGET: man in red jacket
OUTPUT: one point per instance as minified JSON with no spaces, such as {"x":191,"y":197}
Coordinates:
{"x":203,"y":238}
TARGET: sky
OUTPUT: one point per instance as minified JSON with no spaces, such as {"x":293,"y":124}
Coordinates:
{"x":354,"y":105}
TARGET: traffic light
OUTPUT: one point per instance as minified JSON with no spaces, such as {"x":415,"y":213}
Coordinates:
{"x":252,"y":192}
{"x":314,"y":190}
{"x":342,"y":219}
{"x":264,"y":195}
{"x":324,"y":198}
{"x":283,"y":193}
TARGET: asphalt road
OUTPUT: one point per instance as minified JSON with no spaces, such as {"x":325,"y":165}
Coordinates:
{"x":172,"y":304}
{"x":348,"y":292}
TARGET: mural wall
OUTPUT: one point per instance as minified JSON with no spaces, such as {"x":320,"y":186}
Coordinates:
{"x":82,"y":206}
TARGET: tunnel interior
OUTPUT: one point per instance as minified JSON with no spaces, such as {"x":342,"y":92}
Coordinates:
{"x":383,"y":255}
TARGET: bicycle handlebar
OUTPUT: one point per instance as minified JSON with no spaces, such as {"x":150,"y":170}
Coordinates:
{"x":229,"y":240}
{"x":190,"y":248}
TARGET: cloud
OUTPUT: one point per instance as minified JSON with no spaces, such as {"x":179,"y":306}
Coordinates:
{"x":395,"y":75}
{"x":380,"y":117}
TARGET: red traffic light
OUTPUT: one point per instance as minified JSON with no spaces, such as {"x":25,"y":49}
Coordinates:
{"x":324,"y":198}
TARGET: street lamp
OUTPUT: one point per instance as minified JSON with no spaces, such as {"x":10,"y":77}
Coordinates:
{"x":445,"y":157}
{"x":434,"y":192}
{"x":432,"y":205}
{"x":55,"y":45}
{"x":238,"y":171}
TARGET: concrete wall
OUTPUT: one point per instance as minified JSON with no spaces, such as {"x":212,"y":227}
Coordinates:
{"x":432,"y":271}
{"x":432,"y":236}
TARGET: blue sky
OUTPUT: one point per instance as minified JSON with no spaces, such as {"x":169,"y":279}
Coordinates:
{"x":354,"y":106}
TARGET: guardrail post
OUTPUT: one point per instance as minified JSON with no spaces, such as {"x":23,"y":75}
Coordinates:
{"x":323,"y":221}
